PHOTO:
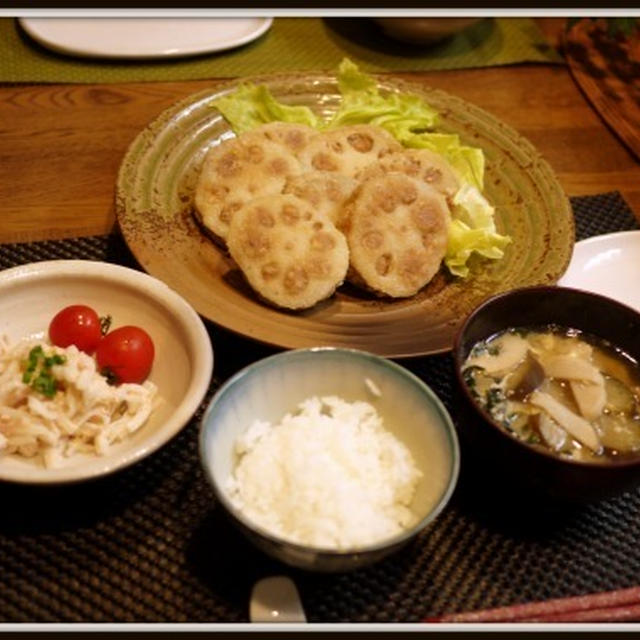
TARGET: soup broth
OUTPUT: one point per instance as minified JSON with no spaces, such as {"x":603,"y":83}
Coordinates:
{"x":559,"y":389}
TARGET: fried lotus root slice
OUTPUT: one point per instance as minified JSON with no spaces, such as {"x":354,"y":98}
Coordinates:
{"x":325,"y":191}
{"x":397,"y":235}
{"x":347,"y":150}
{"x":293,"y":136}
{"x":291,"y":255}
{"x":422,"y":164}
{"x":235,"y":172}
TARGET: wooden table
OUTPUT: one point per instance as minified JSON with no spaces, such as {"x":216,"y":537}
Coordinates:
{"x":61,"y":145}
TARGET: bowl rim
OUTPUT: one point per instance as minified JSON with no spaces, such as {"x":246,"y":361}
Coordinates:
{"x":397,"y":540}
{"x":199,"y":344}
{"x":456,"y":353}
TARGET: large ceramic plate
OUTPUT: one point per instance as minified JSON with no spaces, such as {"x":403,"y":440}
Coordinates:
{"x":154,"y":207}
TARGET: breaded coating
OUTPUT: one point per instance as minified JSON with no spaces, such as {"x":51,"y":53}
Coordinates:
{"x":291,"y":255}
{"x":325,"y":191}
{"x":347,"y":150}
{"x":235,"y":172}
{"x":294,"y":137}
{"x":397,"y":234}
{"x":421,"y":164}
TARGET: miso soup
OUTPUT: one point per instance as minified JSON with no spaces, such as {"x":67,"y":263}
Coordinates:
{"x":559,"y":389}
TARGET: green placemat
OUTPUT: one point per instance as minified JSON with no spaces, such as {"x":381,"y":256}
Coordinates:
{"x":292,"y":44}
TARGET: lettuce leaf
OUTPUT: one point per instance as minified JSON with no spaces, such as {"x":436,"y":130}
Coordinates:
{"x":362,"y":104}
{"x":252,"y":105}
{"x":405,"y":116}
{"x":472,"y":229}
{"x":412,"y":122}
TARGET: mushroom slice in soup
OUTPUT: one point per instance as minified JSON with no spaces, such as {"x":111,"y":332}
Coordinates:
{"x":552,"y":433}
{"x":591,"y":398}
{"x":570,"y":367}
{"x":559,"y":343}
{"x":501,"y":355}
{"x":574,"y":424}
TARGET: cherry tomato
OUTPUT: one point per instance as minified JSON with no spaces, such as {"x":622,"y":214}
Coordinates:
{"x":78,"y":325}
{"x":125,"y":355}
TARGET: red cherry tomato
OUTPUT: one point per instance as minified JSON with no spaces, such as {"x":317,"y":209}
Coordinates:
{"x":78,"y":325}
{"x":125,"y":355}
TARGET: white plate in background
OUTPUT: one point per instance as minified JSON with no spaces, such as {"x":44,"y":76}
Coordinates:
{"x":143,"y":37}
{"x":608,"y":264}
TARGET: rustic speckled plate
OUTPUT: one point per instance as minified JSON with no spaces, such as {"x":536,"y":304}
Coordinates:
{"x":154,"y":207}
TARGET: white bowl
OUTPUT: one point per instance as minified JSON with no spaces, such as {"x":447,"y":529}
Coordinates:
{"x":274,"y":386}
{"x":32,"y":294}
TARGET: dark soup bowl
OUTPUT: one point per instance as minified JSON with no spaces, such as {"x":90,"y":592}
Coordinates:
{"x":549,"y":391}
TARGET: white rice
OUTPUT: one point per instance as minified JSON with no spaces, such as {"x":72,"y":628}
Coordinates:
{"x":328,"y":475}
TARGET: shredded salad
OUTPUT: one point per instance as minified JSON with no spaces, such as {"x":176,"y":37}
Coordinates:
{"x":54,"y":403}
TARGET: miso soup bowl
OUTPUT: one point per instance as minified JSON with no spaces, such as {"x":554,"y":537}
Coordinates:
{"x":274,"y":386}
{"x":423,"y":31}
{"x":509,"y":462}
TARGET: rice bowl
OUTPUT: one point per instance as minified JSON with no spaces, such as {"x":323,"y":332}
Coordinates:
{"x":273,"y":387}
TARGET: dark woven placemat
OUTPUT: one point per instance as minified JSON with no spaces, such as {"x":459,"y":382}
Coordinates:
{"x":150,"y":545}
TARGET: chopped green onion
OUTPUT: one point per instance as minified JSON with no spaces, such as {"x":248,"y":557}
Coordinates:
{"x":43,"y":382}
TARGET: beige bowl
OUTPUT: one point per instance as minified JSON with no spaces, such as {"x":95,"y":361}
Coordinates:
{"x":423,"y":30}
{"x":274,"y":386}
{"x":31,"y":294}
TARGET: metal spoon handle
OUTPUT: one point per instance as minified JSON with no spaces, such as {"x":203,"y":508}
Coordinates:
{"x":276,"y":599}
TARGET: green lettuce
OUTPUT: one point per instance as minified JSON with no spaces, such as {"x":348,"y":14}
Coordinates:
{"x":252,"y":105}
{"x":362,"y":103}
{"x":412,"y":122}
{"x":472,"y":230}
{"x":405,"y":116}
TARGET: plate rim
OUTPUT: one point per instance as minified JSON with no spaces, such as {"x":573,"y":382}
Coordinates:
{"x":582,"y":248}
{"x":45,"y":40}
{"x":600,"y":237}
